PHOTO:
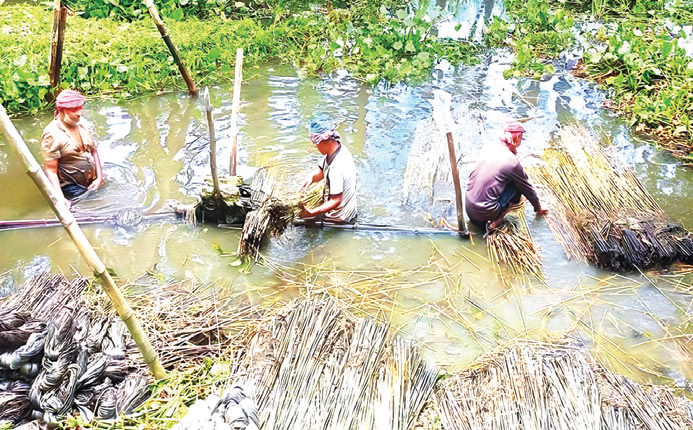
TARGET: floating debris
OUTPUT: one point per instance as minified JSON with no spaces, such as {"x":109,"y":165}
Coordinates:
{"x":556,"y":386}
{"x":317,"y":367}
{"x":601,"y":213}
{"x":511,"y":245}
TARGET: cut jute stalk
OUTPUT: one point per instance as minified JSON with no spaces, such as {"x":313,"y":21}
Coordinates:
{"x":57,"y":40}
{"x":82,"y":243}
{"x":238,"y":78}
{"x":171,"y":47}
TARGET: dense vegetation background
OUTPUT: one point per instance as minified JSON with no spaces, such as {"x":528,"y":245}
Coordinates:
{"x":112,"y":47}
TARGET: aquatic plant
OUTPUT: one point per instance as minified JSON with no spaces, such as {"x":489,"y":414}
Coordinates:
{"x":110,"y":57}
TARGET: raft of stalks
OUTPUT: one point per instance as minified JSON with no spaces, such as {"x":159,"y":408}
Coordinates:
{"x":315,"y":366}
{"x":601,"y":213}
{"x":556,"y":386}
{"x":511,"y":246}
{"x":273,"y":216}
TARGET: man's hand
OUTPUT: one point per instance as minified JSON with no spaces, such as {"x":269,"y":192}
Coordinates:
{"x":307,"y":183}
{"x":542,"y":212}
{"x":96,"y":184}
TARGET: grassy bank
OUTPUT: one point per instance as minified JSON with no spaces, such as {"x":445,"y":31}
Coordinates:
{"x":121,"y":58}
{"x":635,"y":54}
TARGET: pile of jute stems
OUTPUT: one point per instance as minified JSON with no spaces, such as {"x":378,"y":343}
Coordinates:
{"x":273,"y":217}
{"x":601,"y":212}
{"x":511,"y":246}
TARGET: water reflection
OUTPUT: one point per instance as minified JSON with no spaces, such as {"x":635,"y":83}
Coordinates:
{"x":437,"y":289}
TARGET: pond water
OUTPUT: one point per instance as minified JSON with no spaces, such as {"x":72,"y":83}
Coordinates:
{"x":438,"y":289}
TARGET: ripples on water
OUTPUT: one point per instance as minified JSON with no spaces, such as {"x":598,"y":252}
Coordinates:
{"x":155,"y":149}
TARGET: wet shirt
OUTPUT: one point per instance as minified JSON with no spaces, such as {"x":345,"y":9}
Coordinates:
{"x":340,"y":178}
{"x":75,"y":163}
{"x":496,"y":168}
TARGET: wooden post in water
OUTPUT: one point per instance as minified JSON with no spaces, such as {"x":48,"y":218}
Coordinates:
{"x":82,"y":243}
{"x":234,"y":111}
{"x":171,"y":47}
{"x":441,"y":112}
{"x":57,"y":41}
{"x":212,"y":146}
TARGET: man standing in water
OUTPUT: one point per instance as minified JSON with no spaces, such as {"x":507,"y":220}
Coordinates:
{"x":498,"y":180}
{"x":338,"y":170}
{"x":71,"y":159}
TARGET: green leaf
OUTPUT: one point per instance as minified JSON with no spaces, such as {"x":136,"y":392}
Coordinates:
{"x":177,"y":14}
{"x":402,"y":14}
{"x":213,"y":54}
{"x":397,"y":45}
{"x":410,"y":47}
{"x":20,"y":61}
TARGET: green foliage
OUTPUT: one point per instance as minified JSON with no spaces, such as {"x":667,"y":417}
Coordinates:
{"x":650,"y":75}
{"x":110,"y":57}
{"x":541,"y":33}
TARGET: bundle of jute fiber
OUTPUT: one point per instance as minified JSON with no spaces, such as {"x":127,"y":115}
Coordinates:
{"x":74,"y":359}
{"x":315,"y":366}
{"x":511,"y":245}
{"x":532,"y":385}
{"x":273,"y":216}
{"x":601,"y":213}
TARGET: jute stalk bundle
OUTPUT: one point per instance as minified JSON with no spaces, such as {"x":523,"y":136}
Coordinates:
{"x":601,"y":213}
{"x":272,"y":218}
{"x":539,"y":386}
{"x":314,"y":366}
{"x":512,"y":246}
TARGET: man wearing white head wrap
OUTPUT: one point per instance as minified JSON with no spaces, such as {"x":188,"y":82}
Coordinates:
{"x":338,"y":170}
{"x":498,"y":181}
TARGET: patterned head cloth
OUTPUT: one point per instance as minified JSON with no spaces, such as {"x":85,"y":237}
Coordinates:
{"x":69,"y":99}
{"x":513,"y":127}
{"x":322,"y":128}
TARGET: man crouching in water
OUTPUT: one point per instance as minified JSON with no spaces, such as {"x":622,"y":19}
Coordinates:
{"x":71,"y":159}
{"x":338,"y":170}
{"x":498,"y":181}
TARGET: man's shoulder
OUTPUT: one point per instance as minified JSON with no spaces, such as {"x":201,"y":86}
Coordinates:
{"x":51,"y":127}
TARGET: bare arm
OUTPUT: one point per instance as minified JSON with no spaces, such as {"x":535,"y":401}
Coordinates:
{"x":99,"y":180}
{"x":333,"y":202}
{"x":51,"y":168}
{"x":316,"y":176}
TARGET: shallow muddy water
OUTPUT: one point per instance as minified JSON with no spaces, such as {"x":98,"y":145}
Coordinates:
{"x":438,"y":289}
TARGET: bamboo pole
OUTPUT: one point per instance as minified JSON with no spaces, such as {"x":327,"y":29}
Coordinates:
{"x":234,"y":111}
{"x":57,"y":41}
{"x":458,"y":187}
{"x":56,"y":203}
{"x":171,"y":47}
{"x":441,"y":113}
{"x":216,"y":193}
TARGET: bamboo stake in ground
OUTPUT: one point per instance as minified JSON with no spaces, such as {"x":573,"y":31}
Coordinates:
{"x":171,"y":47}
{"x":238,"y":78}
{"x":216,"y":193}
{"x":57,"y":40}
{"x":82,"y":243}
{"x":441,"y":112}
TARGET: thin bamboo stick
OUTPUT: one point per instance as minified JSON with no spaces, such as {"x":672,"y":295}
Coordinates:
{"x":82,"y":243}
{"x":216,"y":193}
{"x":171,"y":47}
{"x":238,"y":78}
{"x":57,"y":41}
